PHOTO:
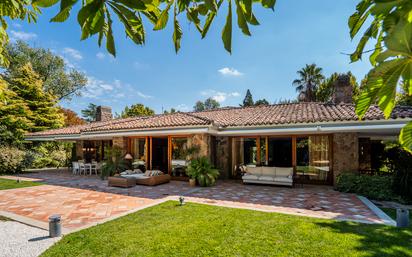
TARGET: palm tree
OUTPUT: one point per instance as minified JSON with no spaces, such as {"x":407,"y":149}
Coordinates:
{"x":309,"y":80}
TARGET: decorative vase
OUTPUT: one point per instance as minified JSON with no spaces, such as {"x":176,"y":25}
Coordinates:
{"x":192,"y":182}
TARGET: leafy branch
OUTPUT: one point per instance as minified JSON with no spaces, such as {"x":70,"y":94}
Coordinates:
{"x":95,"y":17}
{"x":391,"y":29}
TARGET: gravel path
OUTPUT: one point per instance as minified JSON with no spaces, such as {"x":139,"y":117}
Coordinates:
{"x":20,"y":240}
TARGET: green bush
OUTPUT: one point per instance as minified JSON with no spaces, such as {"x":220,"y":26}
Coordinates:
{"x":202,"y":170}
{"x":50,"y":154}
{"x":12,"y":159}
{"x":400,"y":162}
{"x":373,"y":187}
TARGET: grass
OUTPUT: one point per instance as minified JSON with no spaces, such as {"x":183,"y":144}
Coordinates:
{"x":202,"y":230}
{"x":11,"y":184}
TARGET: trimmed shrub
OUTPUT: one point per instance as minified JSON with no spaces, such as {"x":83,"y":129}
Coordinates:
{"x":12,"y":159}
{"x":373,"y":187}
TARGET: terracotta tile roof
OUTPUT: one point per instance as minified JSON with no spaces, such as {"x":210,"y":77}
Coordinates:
{"x":236,"y":116}
{"x":295,"y":113}
{"x":80,"y":128}
{"x":156,"y":121}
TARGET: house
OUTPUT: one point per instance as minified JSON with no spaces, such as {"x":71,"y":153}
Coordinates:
{"x":319,"y":140}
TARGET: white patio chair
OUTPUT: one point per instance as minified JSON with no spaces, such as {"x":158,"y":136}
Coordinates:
{"x":82,"y":168}
{"x":93,"y":168}
{"x":75,"y":168}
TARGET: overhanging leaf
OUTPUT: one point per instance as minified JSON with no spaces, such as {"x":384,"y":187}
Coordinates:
{"x":405,"y":137}
{"x":381,"y":84}
{"x":241,"y":20}
{"x":177,"y":33}
{"x":227,"y":30}
{"x":163,"y":18}
{"x":45,"y":3}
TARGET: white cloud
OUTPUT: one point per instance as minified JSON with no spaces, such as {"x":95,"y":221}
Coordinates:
{"x":75,"y":54}
{"x":100,"y":55}
{"x":218,"y":95}
{"x":17,"y":25}
{"x":226,"y":71}
{"x":143,"y":95}
{"x":182,"y":108}
{"x":110,"y":91}
{"x":20,"y":35}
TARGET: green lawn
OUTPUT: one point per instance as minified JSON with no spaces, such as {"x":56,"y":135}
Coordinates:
{"x":11,"y":183}
{"x":202,"y":230}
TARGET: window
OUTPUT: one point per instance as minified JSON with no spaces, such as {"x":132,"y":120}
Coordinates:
{"x":313,"y":158}
{"x":139,"y":153}
{"x":244,"y":152}
{"x":280,"y":152}
{"x":180,"y":156}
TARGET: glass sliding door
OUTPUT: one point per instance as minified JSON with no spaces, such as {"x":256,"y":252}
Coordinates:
{"x":313,"y":159}
{"x":280,"y":152}
{"x":179,"y":156}
{"x":244,"y":152}
{"x":139,"y":152}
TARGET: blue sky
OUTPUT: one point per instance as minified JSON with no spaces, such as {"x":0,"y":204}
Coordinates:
{"x":297,"y":33}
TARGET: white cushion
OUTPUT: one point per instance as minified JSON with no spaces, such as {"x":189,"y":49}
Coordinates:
{"x":268,"y":171}
{"x":249,"y":177}
{"x":283,"y":179}
{"x":136,"y":176}
{"x":254,"y":170}
{"x":284,"y":172}
{"x":266,"y":178}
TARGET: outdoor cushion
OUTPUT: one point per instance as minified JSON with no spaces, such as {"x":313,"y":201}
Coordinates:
{"x":136,"y":176}
{"x":254,"y":170}
{"x":249,"y":177}
{"x":266,"y":178}
{"x":269,"y":171}
{"x":282,"y":179}
{"x":283,"y":172}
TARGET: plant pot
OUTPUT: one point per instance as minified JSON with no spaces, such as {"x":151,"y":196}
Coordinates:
{"x":192,"y":182}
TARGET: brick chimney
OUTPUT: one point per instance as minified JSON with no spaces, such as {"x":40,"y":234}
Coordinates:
{"x":103,"y":113}
{"x":342,"y":92}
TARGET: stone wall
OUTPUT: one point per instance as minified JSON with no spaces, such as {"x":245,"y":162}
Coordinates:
{"x":223,"y":156}
{"x":345,"y":153}
{"x":120,"y":142}
{"x":79,"y":149}
{"x":203,"y":142}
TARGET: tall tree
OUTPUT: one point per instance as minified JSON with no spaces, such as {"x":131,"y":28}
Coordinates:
{"x":172,"y":110}
{"x":199,"y":106}
{"x":58,"y":79}
{"x":248,"y":100}
{"x":71,"y":118}
{"x":327,"y":86}
{"x":136,"y":110}
{"x":208,"y":104}
{"x":262,"y":102}
{"x":308,"y":82}
{"x":14,"y":114}
{"x":89,"y":114}
{"x":211,"y":104}
{"x":44,"y":112}
{"x":389,"y":25}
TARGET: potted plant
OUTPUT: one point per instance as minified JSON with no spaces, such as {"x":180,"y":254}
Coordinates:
{"x":201,"y":170}
{"x":192,"y":173}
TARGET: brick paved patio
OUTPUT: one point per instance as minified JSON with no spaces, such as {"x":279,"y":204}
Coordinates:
{"x":85,"y":200}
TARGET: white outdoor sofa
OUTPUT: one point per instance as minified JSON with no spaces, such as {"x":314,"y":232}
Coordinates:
{"x":268,"y":175}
